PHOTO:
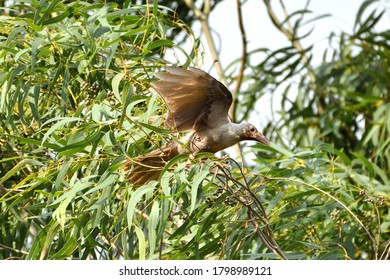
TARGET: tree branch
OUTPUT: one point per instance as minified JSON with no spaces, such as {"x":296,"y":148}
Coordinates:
{"x":244,"y":55}
{"x":256,"y":211}
{"x":203,"y":17}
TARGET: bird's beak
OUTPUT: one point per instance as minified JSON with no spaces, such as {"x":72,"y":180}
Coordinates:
{"x":261,"y":138}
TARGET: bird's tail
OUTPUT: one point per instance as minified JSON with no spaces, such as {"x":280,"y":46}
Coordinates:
{"x":148,"y":167}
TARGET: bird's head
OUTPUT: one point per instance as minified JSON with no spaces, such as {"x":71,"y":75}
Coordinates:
{"x":250,"y":132}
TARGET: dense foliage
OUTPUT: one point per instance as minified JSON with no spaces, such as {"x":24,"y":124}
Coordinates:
{"x":75,"y":106}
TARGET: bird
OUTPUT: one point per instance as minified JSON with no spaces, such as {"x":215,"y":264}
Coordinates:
{"x":198,"y":105}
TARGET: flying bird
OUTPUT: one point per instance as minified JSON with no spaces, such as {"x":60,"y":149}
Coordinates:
{"x":197,"y":104}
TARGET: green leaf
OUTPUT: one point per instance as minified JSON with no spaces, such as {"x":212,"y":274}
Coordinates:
{"x":62,"y":172}
{"x":154,"y":218}
{"x":281,"y":150}
{"x":155,"y":128}
{"x":366,"y":163}
{"x":61,"y":122}
{"x":42,"y":241}
{"x":362,"y":9}
{"x":273,"y":202}
{"x":20,"y":165}
{"x":37,"y":43}
{"x":199,"y":177}
{"x":158,"y":44}
{"x":141,"y":243}
{"x":135,"y":199}
{"x":115,"y":84}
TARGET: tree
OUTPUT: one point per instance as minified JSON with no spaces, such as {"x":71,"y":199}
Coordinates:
{"x":75,"y":110}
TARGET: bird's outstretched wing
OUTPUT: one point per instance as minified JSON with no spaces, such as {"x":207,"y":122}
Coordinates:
{"x":195,"y":100}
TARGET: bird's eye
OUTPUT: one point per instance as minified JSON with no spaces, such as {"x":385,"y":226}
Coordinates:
{"x":252,"y":129}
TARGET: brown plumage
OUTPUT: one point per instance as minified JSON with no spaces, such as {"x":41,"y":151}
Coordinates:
{"x":197,"y":104}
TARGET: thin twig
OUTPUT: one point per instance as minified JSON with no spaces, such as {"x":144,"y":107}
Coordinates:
{"x":203,"y":17}
{"x":3,"y":247}
{"x":386,"y":252}
{"x":264,"y":234}
{"x":244,"y":55}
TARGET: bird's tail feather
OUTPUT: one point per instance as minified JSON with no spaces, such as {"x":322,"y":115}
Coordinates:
{"x":148,"y":167}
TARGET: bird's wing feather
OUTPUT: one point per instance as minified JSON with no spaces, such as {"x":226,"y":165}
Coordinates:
{"x":195,"y":99}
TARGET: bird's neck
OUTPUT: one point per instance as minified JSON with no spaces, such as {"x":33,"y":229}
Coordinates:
{"x":233,"y":132}
{"x":225,"y":136}
{"x":238,"y":128}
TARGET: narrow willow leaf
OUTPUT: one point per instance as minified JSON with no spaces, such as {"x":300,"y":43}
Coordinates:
{"x":3,"y":96}
{"x":373,"y":135}
{"x":75,"y":187}
{"x":35,"y":46}
{"x":61,"y":122}
{"x":362,"y":9}
{"x":382,"y":174}
{"x":49,"y":9}
{"x":154,"y":218}
{"x":273,"y":202}
{"x":51,"y":234}
{"x":366,"y":163}
{"x":38,"y":243}
{"x":115,"y":85}
{"x":62,"y":173}
{"x":141,"y":243}
{"x":206,"y":225}
{"x":165,"y":183}
{"x":130,"y":106}
{"x":295,"y":211}
{"x":58,"y":18}
{"x":96,"y":114}
{"x":172,"y":162}
{"x":333,"y":150}
{"x":18,"y":167}
{"x":104,"y":182}
{"x":141,"y":29}
{"x":14,"y":73}
{"x":282,"y":150}
{"x":155,"y":128}
{"x":33,"y":101}
{"x":67,"y":249}
{"x":158,"y":44}
{"x":135,"y":198}
{"x":195,"y":186}
{"x":20,"y":54}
